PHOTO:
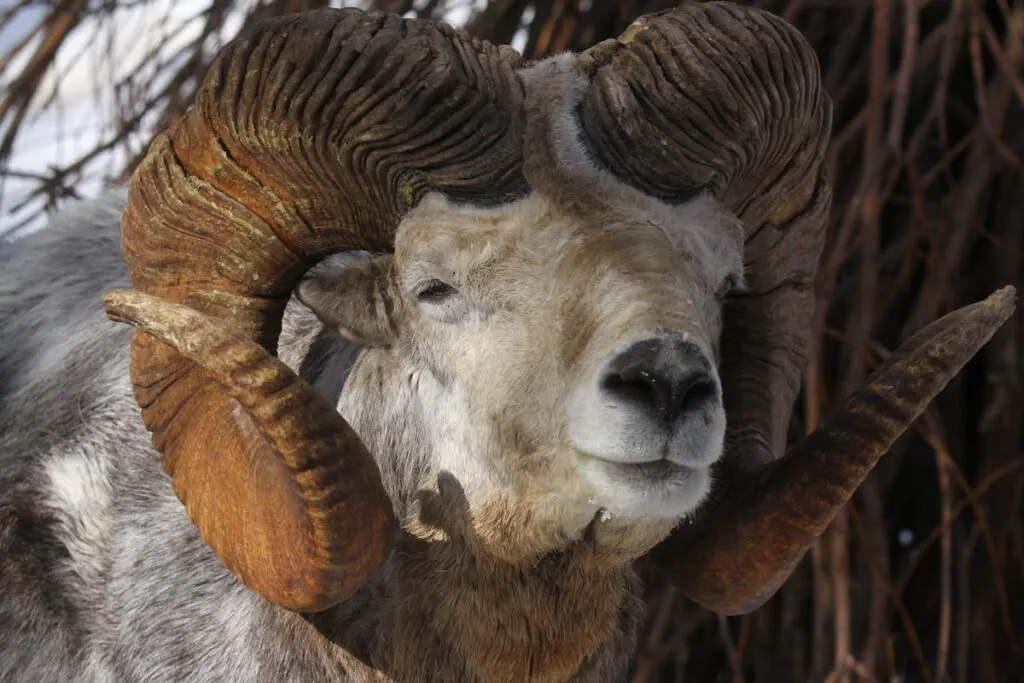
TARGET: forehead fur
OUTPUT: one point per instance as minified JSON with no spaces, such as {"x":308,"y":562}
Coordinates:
{"x":451,"y":242}
{"x":573,"y":198}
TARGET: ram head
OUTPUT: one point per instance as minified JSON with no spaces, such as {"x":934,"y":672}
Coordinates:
{"x":588,"y":303}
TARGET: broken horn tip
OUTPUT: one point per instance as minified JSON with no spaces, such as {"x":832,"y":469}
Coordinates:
{"x":115,"y":302}
{"x":127,"y":305}
{"x":123,"y":298}
{"x":126,"y":296}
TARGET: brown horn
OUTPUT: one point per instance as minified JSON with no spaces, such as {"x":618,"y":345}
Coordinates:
{"x":738,"y":555}
{"x":313,"y":134}
{"x":728,"y":100}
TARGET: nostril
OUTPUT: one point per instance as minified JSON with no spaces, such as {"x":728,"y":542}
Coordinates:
{"x":634,"y":385}
{"x":668,"y":379}
{"x":692,"y":394}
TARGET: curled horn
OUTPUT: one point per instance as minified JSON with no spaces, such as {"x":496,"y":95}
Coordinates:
{"x":311,"y":135}
{"x":727,"y":100}
{"x":721,"y":99}
{"x":737,"y":556}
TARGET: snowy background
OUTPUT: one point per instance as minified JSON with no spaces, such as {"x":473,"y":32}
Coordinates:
{"x":88,"y":92}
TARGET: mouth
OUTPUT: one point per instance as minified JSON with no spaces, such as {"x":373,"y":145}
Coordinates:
{"x":656,"y":469}
{"x":659,"y":488}
{"x":661,"y":471}
{"x":662,"y":468}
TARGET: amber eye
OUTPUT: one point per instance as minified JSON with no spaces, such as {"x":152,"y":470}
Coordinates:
{"x":434,"y":291}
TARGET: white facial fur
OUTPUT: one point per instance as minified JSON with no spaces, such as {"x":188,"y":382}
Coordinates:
{"x":493,"y":387}
{"x":495,"y":408}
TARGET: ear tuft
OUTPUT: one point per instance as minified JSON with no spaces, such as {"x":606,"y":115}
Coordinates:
{"x":353,"y":295}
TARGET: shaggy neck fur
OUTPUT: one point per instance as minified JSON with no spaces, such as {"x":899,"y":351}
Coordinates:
{"x":570,"y":617}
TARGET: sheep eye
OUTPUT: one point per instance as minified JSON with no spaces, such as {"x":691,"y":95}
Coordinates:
{"x":434,"y":291}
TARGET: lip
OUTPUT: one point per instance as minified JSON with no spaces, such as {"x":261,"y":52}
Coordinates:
{"x":648,"y":470}
{"x":653,"y":489}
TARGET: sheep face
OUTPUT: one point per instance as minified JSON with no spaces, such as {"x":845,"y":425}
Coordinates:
{"x":536,"y":375}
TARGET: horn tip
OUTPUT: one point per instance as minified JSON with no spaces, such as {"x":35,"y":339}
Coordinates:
{"x":997,"y":308}
{"x":119,"y":303}
{"x":1003,"y":300}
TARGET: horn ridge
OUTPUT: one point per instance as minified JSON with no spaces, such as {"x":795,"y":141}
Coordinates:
{"x":303,"y":142}
{"x":743,"y":549}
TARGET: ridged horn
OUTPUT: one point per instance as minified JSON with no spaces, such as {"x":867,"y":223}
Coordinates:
{"x":312,"y":134}
{"x":728,"y":100}
{"x":739,"y":554}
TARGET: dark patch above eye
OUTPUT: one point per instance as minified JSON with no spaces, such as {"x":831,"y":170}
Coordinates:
{"x":434,"y":291}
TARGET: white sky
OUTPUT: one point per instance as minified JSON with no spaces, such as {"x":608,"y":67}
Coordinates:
{"x":95,"y":56}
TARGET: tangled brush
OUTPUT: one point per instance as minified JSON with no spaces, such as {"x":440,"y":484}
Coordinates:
{"x":922,"y":577}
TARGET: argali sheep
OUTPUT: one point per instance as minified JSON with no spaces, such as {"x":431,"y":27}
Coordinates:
{"x":430,"y":345}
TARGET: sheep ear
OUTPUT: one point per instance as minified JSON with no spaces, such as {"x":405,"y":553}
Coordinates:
{"x":356,"y":298}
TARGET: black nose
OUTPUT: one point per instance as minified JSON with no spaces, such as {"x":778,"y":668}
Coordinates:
{"x":665,"y":375}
